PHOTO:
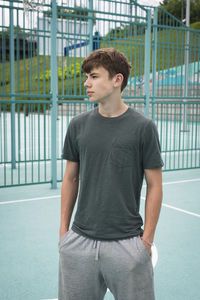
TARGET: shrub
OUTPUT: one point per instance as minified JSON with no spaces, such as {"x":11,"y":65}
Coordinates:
{"x":62,"y":73}
{"x":195,"y":25}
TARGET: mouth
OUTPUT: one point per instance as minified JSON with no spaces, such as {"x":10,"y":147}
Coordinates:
{"x":90,"y":93}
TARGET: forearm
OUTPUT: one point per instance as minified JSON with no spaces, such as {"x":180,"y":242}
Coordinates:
{"x":69,"y":193}
{"x":152,"y":211}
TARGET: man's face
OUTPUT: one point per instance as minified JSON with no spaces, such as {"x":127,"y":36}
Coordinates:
{"x":99,"y":85}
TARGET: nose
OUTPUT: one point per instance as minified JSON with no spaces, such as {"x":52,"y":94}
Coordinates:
{"x":87,"y":83}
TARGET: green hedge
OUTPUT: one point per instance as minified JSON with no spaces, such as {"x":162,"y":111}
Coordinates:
{"x":195,"y":25}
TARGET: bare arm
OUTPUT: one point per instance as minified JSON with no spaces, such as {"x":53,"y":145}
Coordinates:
{"x":152,"y":204}
{"x":69,"y":193}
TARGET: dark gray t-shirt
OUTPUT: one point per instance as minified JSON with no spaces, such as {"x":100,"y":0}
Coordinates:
{"x":113,"y":153}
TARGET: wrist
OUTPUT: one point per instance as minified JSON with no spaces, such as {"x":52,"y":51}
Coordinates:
{"x":150,"y":243}
{"x":64,"y":227}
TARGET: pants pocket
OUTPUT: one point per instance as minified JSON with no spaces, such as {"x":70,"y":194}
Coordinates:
{"x":64,"y":238}
{"x":141,"y":248}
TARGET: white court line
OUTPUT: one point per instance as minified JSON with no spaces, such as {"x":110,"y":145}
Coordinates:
{"x":181,"y":210}
{"x":181,"y":181}
{"x":178,"y":209}
{"x":163,"y":204}
{"x":31,"y":199}
{"x":58,"y":196}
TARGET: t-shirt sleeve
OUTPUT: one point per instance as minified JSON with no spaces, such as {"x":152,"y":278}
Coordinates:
{"x":70,"y":150}
{"x":151,"y":147}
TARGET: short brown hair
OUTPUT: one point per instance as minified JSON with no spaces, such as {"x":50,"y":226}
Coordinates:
{"x":110,"y":59}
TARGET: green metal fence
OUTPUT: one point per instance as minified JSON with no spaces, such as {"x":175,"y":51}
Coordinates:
{"x":41,"y":83}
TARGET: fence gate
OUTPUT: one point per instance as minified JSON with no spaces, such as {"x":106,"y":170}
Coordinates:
{"x":41,"y":83}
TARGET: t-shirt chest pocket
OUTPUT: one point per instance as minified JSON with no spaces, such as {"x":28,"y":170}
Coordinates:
{"x":122,"y":154}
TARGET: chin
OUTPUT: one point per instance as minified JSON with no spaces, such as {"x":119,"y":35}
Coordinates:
{"x":94,"y":100}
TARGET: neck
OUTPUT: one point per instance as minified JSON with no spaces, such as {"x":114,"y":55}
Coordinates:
{"x":113,"y":108}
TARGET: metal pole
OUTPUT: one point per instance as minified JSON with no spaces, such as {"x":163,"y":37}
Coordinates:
{"x":91,"y":26}
{"x":182,"y":10}
{"x":147,"y":62}
{"x":135,"y":26}
{"x":155,"y":22}
{"x":187,"y":45}
{"x":54,"y":92}
{"x":130,"y":14}
{"x":12,"y":88}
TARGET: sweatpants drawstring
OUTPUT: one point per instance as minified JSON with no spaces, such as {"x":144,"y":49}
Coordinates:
{"x":97,"y":245}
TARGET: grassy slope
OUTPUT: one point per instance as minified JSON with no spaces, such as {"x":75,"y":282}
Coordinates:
{"x":30,"y":76}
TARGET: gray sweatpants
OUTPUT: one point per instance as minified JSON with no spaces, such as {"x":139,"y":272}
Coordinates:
{"x":88,"y":267}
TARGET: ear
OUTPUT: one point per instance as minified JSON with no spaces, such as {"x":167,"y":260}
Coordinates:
{"x":118,"y":80}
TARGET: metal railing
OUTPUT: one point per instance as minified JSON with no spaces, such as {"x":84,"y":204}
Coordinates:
{"x":41,"y":82}
{"x":180,"y":143}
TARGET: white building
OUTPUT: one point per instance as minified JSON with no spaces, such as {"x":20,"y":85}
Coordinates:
{"x":72,"y":37}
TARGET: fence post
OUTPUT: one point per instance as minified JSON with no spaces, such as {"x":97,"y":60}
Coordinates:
{"x":12,"y":88}
{"x":147,"y":60}
{"x":187,"y":58}
{"x":154,"y":59}
{"x":54,"y":92}
{"x":91,"y":26}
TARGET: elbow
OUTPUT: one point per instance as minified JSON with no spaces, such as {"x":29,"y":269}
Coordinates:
{"x":75,"y":179}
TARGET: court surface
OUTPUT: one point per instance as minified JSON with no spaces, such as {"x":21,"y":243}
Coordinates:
{"x":29,"y":222}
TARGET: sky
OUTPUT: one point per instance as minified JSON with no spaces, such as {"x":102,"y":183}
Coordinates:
{"x":150,"y":2}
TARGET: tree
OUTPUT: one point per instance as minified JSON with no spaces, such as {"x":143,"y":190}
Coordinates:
{"x":174,"y":7}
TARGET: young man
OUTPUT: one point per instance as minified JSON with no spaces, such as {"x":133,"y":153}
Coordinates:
{"x":108,"y":151}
